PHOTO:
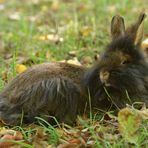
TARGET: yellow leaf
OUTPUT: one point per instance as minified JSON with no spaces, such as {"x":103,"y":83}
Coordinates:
{"x":20,"y":68}
{"x":2,"y":1}
{"x":55,"y":5}
{"x":86,"y":31}
{"x":51,"y":37}
{"x":43,"y":37}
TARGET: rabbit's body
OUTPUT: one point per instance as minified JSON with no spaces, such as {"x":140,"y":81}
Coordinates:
{"x":45,"y":89}
{"x":64,"y":90}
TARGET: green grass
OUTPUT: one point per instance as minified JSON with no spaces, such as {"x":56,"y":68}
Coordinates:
{"x":20,"y":39}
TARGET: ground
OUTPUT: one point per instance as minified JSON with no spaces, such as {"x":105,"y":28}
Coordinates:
{"x":37,"y":31}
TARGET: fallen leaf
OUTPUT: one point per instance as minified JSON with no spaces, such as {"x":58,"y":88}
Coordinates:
{"x":2,"y":1}
{"x":51,"y":37}
{"x":40,"y":140}
{"x":6,"y":144}
{"x":50,"y":146}
{"x":2,"y":7}
{"x":74,"y":61}
{"x":129,"y":123}
{"x":86,"y":31}
{"x":82,"y":8}
{"x":72,"y":53}
{"x":18,"y":135}
{"x":35,"y":2}
{"x":15,"y":16}
{"x":20,"y":68}
{"x":67,"y":146}
{"x":6,"y":134}
{"x":143,"y":114}
{"x":75,"y":141}
{"x":54,"y":38}
{"x":86,"y":60}
{"x":55,"y":5}
{"x":111,"y":8}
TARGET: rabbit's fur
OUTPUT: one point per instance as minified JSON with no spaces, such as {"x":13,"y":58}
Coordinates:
{"x":64,"y":90}
{"x":47,"y":89}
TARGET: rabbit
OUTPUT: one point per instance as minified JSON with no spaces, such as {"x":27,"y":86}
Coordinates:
{"x":121,"y":73}
{"x":64,"y":90}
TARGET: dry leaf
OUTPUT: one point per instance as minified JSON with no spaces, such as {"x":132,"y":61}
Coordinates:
{"x":67,"y":146}
{"x":35,"y":2}
{"x":15,"y":16}
{"x":82,"y":8}
{"x":129,"y":123}
{"x":6,"y":134}
{"x":74,"y":61}
{"x":86,"y":31}
{"x":6,"y":144}
{"x":50,"y":146}
{"x":20,"y":68}
{"x":75,"y":141}
{"x":55,"y":5}
{"x":51,"y":37}
{"x":41,"y":138}
{"x":18,"y":135}
{"x":72,"y":53}
{"x":86,"y":60}
{"x":2,"y":1}
{"x":111,"y":8}
{"x":2,"y":7}
{"x":143,"y":114}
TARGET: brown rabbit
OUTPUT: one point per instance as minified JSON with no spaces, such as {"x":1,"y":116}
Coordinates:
{"x":64,"y":90}
{"x":47,"y":89}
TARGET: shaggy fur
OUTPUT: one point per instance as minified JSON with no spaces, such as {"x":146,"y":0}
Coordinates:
{"x":46,"y":89}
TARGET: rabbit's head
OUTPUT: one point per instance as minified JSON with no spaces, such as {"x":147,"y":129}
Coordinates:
{"x":122,"y":69}
{"x":122,"y":59}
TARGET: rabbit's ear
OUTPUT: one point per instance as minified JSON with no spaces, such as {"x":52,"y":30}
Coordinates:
{"x":135,"y":31}
{"x":117,"y":27}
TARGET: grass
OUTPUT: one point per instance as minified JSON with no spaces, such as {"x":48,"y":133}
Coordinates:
{"x":84,"y":26}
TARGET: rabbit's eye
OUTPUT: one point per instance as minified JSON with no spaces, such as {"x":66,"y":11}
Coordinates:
{"x":124,"y":62}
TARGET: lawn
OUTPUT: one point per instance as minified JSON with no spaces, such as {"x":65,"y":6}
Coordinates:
{"x":76,"y":31}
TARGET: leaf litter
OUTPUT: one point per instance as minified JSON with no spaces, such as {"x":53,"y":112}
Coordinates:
{"x":86,"y":133}
{"x":125,"y":128}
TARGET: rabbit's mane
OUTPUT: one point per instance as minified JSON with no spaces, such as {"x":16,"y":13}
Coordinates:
{"x":126,"y":46}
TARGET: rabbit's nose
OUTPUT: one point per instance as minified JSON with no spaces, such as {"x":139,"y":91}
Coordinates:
{"x":104,"y":75}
